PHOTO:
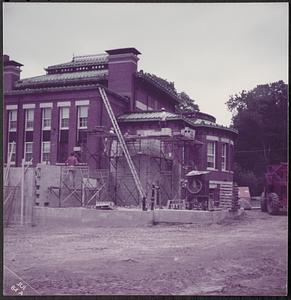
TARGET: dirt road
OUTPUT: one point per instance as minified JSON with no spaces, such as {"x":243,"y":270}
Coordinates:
{"x":244,"y":257}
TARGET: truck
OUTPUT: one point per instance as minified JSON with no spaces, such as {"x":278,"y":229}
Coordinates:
{"x":274,"y":198}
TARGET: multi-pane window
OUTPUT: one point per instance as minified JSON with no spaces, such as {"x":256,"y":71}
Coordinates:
{"x":28,"y":146}
{"x":12,"y":120}
{"x":29,"y":118}
{"x":46,"y":118}
{"x":64,"y":117}
{"x":45,"y":151}
{"x":12,"y":147}
{"x":211,"y":150}
{"x":82,"y":117}
{"x":223,"y":157}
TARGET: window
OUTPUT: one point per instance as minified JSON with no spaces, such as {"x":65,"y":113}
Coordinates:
{"x":12,"y":120}
{"x":82,"y":116}
{"x":211,"y":150}
{"x":29,"y":118}
{"x":28,"y":151}
{"x":223,"y":157}
{"x":45,"y":151}
{"x":13,"y":156}
{"x":64,"y":117}
{"x":46,"y":118}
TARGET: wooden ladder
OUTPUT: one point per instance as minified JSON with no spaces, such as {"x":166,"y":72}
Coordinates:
{"x":122,"y":142}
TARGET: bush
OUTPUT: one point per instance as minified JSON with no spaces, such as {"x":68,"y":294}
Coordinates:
{"x":249,"y":179}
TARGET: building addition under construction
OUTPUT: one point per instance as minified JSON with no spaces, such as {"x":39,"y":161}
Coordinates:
{"x":136,"y":147}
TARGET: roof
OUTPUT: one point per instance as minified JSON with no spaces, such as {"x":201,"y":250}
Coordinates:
{"x":199,"y":115}
{"x":203,"y":123}
{"x":153,"y":116}
{"x":148,"y":116}
{"x":61,"y":77}
{"x":81,"y":61}
{"x":143,"y":116}
{"x":65,"y":88}
{"x":162,"y":84}
{"x":196,"y":173}
{"x":48,"y":89}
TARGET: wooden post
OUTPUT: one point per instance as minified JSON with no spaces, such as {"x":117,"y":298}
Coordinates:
{"x":144,"y":208}
{"x":83,"y":194}
{"x":235,"y":198}
{"x":153,"y":197}
{"x":158,"y":199}
{"x":22,"y":192}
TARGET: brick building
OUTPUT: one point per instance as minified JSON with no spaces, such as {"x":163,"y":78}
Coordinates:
{"x":46,"y":117}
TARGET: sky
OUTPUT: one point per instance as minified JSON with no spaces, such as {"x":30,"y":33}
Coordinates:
{"x":211,"y":51}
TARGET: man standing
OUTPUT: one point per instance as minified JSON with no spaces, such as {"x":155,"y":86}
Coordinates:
{"x":72,"y":161}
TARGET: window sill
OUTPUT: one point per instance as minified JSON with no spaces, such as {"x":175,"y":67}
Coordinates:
{"x":212,"y":169}
{"x":64,"y":128}
{"x":224,"y":171}
{"x":46,"y":128}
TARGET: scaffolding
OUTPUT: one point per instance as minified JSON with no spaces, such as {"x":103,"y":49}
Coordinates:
{"x":10,"y":193}
{"x":158,"y":159}
{"x":14,"y":191}
{"x":122,"y":143}
{"x":80,"y":186}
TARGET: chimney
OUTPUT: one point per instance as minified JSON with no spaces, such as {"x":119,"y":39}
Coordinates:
{"x":122,"y":64}
{"x":11,"y":72}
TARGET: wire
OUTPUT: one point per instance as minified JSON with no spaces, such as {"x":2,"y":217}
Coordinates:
{"x":266,"y":150}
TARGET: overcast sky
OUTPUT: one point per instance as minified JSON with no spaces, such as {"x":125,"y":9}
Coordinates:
{"x":210,"y":51}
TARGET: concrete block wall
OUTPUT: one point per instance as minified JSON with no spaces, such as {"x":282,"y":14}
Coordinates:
{"x":47,"y":176}
{"x":52,"y":181}
{"x":48,"y":184}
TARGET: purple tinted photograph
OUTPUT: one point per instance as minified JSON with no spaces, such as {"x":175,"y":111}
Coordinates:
{"x":145,"y":149}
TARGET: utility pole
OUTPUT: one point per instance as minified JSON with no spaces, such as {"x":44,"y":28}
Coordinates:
{"x":22,"y":192}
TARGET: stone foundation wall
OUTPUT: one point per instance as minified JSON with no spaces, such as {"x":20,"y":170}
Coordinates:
{"x":77,"y":216}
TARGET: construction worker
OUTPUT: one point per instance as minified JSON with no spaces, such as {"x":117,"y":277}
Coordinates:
{"x":72,"y":161}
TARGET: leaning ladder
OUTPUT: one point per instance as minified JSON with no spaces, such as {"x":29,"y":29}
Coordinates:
{"x":122,"y":142}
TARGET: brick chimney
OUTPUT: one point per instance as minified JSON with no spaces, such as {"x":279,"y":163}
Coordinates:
{"x":122,"y":64}
{"x":11,"y":72}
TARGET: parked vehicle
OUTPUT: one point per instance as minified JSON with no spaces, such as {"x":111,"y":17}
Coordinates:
{"x":274,"y":197}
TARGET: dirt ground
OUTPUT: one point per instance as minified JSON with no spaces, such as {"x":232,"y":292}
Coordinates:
{"x":241,"y":257}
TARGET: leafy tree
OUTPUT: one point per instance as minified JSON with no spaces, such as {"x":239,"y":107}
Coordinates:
{"x":260,"y":116}
{"x":187,"y":104}
{"x":249,"y":179}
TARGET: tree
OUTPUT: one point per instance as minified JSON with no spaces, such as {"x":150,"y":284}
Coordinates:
{"x":187,"y":104}
{"x":260,"y":116}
